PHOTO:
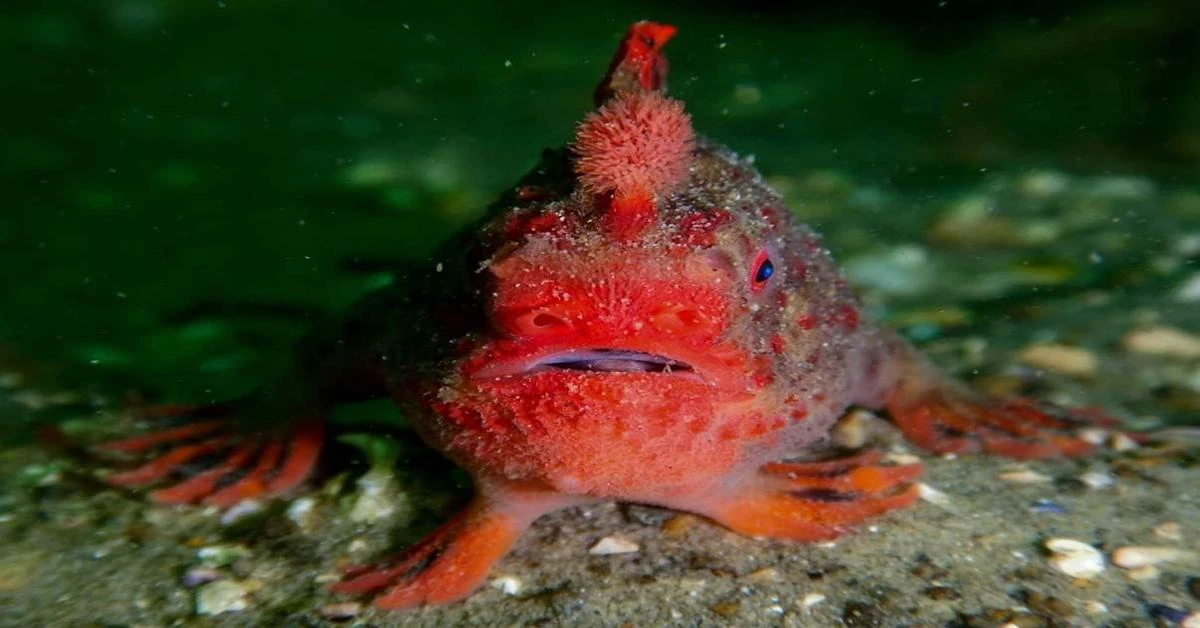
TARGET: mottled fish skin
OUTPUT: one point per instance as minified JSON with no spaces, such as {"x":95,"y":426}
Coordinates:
{"x":642,"y":318}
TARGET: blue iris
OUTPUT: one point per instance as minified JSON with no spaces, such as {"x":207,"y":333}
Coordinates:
{"x":765,"y":270}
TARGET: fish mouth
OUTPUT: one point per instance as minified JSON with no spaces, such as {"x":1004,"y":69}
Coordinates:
{"x":596,"y":360}
{"x":609,"y":361}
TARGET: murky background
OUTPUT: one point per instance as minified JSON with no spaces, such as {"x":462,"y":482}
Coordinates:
{"x":189,"y":182}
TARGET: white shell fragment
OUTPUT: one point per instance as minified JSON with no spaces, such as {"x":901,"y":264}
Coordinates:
{"x":1120,"y":442}
{"x":1093,"y":435}
{"x":1133,"y":557}
{"x":1097,"y":479}
{"x":613,"y":545}
{"x":222,"y":596}
{"x":932,"y":495}
{"x":1075,"y":558}
{"x":1058,"y":358}
{"x":508,"y":585}
{"x":812,"y":599}
{"x":1023,"y":476}
{"x":1167,"y":342}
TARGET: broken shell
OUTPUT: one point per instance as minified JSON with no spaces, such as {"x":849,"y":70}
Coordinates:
{"x":1122,"y":442}
{"x":1093,"y":435}
{"x":812,"y":599}
{"x":1167,"y":342}
{"x":1132,"y":557}
{"x":1143,"y":573}
{"x":1059,"y":358}
{"x":1075,"y":558}
{"x":222,"y":596}
{"x":613,"y":545}
{"x":932,"y":495}
{"x":1097,"y":479}
{"x":1023,"y":476}
{"x":508,"y":585}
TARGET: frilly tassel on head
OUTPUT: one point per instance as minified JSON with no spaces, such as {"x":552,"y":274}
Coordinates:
{"x":637,"y":146}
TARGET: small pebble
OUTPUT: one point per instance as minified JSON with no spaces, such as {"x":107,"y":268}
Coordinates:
{"x":1097,"y":479}
{"x":241,"y":510}
{"x":1167,"y":342}
{"x":1132,"y":557}
{"x":222,"y":596}
{"x":1042,"y":184}
{"x":1048,"y":507}
{"x":725,"y":609}
{"x":766,"y":574}
{"x":613,"y":545}
{"x":508,"y":585}
{"x":853,"y":431}
{"x":1169,"y":530}
{"x":221,"y":555}
{"x":199,"y":575}
{"x":932,"y":495}
{"x":343,"y":611}
{"x":1189,"y":290}
{"x":1092,"y":607}
{"x":1075,"y":558}
{"x":1120,"y":442}
{"x":1060,"y":358}
{"x":901,"y":459}
{"x":676,"y":526}
{"x":812,"y":599}
{"x":1093,"y":435}
{"x":1143,"y":573}
{"x":302,"y":512}
{"x":1023,"y":476}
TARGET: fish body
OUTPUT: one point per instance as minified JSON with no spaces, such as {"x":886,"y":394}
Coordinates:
{"x":641,"y":319}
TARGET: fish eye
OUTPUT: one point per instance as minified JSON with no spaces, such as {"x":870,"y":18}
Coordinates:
{"x":762,"y":271}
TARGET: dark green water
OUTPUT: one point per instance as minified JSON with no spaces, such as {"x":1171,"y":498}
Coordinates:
{"x":188,"y":182}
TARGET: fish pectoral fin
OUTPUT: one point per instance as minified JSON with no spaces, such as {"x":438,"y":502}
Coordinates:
{"x":813,"y":501}
{"x":453,"y":560}
{"x":948,"y":418}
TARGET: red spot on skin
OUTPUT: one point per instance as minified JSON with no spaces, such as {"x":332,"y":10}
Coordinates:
{"x":846,"y":317}
{"x":778,"y":344}
{"x":806,"y":321}
{"x":799,"y":414}
{"x":819,"y":397}
{"x":772,"y":216}
{"x":700,"y":229}
{"x":636,"y":147}
{"x":763,"y":374}
{"x":522,"y":224}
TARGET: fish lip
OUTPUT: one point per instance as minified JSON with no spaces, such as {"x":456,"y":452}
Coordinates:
{"x":599,"y":360}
